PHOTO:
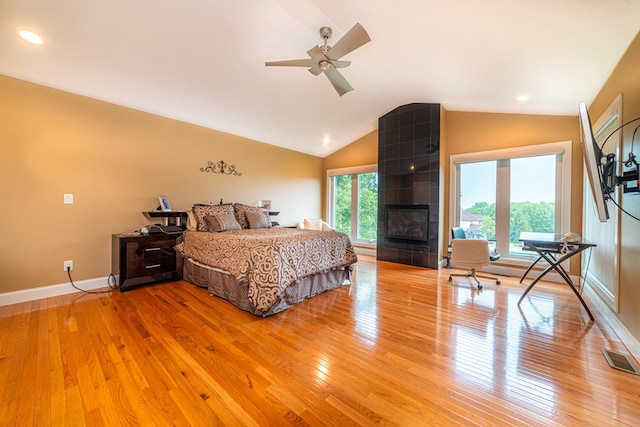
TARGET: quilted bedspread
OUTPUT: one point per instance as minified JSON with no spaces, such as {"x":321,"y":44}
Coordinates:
{"x":269,"y":259}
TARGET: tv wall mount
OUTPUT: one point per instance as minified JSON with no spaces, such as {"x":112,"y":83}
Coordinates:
{"x":609,"y":178}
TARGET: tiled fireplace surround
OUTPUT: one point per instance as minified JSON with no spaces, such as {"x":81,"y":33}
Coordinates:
{"x":408,"y":174}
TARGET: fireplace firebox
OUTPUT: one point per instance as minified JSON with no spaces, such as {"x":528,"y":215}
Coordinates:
{"x":407,"y":223}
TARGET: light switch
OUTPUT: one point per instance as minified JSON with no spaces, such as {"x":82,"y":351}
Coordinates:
{"x":68,"y":199}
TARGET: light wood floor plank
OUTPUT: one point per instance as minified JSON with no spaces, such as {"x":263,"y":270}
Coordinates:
{"x":400,"y":346}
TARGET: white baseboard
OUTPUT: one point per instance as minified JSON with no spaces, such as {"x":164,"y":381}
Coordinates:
{"x":15,"y":297}
{"x":517,"y":272}
{"x":629,"y":341}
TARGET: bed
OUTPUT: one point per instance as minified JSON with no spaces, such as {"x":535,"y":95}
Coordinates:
{"x":261,"y":269}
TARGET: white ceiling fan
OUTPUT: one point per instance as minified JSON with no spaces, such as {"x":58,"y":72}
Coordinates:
{"x":326,"y":59}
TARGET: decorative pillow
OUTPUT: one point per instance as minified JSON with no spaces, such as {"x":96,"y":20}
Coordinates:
{"x":240,"y":211}
{"x":313,"y":224}
{"x":222,"y":222}
{"x":202,"y":211}
{"x":257,"y":219}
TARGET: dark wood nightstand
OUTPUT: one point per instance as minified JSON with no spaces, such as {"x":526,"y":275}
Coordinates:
{"x":142,"y":259}
{"x":169,"y":217}
{"x":274,"y":223}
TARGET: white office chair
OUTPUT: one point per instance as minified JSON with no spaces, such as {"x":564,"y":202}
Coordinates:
{"x":471,"y":254}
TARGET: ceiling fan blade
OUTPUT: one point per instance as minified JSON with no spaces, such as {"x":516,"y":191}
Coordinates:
{"x":292,"y":63}
{"x":353,"y":39}
{"x":340,"y":64}
{"x":341,"y":84}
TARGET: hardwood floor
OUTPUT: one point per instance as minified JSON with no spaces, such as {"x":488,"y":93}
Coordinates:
{"x":400,"y":346}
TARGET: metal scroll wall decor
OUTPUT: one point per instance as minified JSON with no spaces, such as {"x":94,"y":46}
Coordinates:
{"x":222,"y":168}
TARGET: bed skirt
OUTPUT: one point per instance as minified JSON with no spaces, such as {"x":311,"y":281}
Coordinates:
{"x":221,"y":284}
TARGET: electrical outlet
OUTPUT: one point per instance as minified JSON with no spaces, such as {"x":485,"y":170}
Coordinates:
{"x":69,"y":265}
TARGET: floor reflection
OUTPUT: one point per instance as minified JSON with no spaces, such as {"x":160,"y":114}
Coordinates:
{"x":537,"y":312}
{"x":365,"y":307}
{"x":523,"y":356}
{"x":474,"y":338}
{"x":531,"y":355}
{"x":323,"y":368}
{"x":495,"y":350}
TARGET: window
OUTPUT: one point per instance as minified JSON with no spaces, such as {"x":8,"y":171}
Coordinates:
{"x":353,"y":202}
{"x":499,"y":194}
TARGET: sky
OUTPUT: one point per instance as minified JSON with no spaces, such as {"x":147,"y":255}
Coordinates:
{"x":532,"y":180}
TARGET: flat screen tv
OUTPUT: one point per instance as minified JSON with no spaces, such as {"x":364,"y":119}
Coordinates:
{"x":593,"y":163}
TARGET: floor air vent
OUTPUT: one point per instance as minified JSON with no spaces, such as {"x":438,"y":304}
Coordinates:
{"x":620,"y":361}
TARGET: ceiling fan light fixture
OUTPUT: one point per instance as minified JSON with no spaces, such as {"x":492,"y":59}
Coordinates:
{"x":324,"y":64}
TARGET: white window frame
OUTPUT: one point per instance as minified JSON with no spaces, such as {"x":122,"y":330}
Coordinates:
{"x":354,"y":196}
{"x":563,"y":190}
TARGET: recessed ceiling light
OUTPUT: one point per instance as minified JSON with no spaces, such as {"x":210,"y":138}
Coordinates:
{"x":30,"y":36}
{"x":522,"y":98}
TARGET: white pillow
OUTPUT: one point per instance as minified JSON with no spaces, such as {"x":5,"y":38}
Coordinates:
{"x":313,"y":224}
{"x":192,"y":223}
{"x":326,"y":227}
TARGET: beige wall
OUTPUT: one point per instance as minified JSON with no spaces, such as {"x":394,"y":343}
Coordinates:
{"x":625,"y":79}
{"x":116,"y":161}
{"x":363,"y":151}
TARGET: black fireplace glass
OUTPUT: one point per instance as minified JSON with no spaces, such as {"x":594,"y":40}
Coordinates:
{"x":408,"y":223}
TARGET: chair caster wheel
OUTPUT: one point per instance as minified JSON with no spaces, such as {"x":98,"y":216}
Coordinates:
{"x":497,"y":282}
{"x":479,"y":287}
{"x":450,"y":278}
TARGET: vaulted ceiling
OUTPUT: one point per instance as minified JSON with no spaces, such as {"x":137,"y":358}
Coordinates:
{"x":202,"y":61}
